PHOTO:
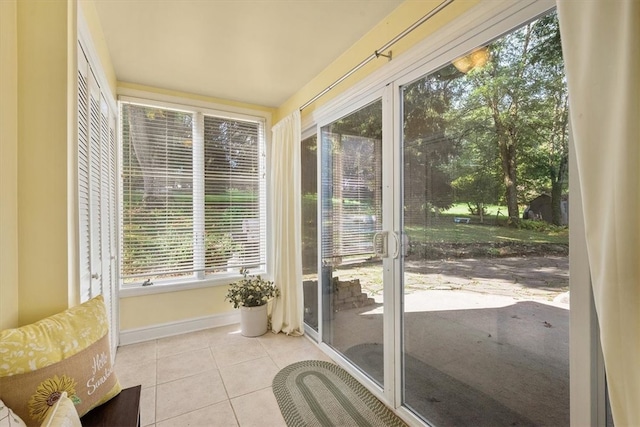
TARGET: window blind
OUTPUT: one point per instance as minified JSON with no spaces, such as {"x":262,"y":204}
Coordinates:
{"x":354,"y":195}
{"x":157,"y":168}
{"x":194,"y":194}
{"x":234,"y":194}
{"x":352,"y":184}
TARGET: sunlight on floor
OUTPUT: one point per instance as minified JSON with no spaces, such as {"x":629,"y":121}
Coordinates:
{"x":215,"y":374}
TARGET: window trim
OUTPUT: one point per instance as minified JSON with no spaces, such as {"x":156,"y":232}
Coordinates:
{"x":197,"y":106}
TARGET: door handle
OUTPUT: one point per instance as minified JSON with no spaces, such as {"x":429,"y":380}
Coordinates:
{"x":380,"y":244}
{"x":381,"y":240}
{"x":396,"y":238}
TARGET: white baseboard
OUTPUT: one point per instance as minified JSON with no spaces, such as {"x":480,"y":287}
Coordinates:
{"x":163,"y":330}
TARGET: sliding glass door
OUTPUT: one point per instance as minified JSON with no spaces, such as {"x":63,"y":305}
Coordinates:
{"x":444,"y":239}
{"x":351,"y":218}
{"x":485,"y":277}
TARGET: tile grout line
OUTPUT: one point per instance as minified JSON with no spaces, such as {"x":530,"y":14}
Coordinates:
{"x":267,"y":348}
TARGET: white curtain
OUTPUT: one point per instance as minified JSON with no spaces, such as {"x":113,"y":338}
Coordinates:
{"x":286,"y":259}
{"x":601,"y":48}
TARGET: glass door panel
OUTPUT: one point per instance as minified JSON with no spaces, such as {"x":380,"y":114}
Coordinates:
{"x":485,"y":317}
{"x":351,"y":215}
{"x":309,"y":229}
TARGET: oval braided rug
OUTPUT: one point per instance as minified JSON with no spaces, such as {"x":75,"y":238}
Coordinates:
{"x":318,"y":393}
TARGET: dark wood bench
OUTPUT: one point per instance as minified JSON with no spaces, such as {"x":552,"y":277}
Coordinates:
{"x":121,"y":411}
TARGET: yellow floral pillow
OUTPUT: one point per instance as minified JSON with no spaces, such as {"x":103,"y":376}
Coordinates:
{"x":67,"y":352}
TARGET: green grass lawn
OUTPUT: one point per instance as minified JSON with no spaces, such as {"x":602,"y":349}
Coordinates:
{"x":492,"y":230}
{"x":461,"y":209}
{"x":447,"y":231}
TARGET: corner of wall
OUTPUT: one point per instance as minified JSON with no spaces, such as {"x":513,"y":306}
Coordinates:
{"x":8,"y":165}
{"x":160,"y":94}
{"x":89,"y":21}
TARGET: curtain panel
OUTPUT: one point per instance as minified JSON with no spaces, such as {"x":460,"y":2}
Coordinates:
{"x":601,"y":48}
{"x":285,"y":255}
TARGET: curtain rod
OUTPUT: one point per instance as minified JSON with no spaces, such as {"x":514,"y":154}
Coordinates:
{"x":377,"y":53}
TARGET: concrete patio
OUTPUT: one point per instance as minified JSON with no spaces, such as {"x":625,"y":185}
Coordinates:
{"x":486,"y":342}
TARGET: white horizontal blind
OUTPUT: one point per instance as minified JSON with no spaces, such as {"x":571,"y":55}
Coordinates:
{"x":157,"y":204}
{"x":194,"y":194}
{"x":352,"y":186}
{"x":234,"y":220}
{"x":361,"y":193}
{"x":233,"y":224}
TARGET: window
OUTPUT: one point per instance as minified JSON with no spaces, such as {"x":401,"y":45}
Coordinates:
{"x":193,"y":194}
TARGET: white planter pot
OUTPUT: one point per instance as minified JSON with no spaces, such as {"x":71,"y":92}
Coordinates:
{"x":253,"y":320}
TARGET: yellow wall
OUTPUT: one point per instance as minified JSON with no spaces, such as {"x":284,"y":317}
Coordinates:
{"x":8,"y":165}
{"x":183,"y":95}
{"x":396,"y":22}
{"x":42,"y":119}
{"x":91,"y":18}
{"x":38,"y":50}
{"x":147,"y":310}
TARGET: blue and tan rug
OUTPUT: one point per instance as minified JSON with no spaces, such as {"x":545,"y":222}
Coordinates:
{"x":318,"y":393}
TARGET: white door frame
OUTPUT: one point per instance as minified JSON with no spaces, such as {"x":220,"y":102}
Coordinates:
{"x":485,"y":22}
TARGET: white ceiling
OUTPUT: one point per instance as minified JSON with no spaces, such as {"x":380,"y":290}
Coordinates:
{"x":255,"y":51}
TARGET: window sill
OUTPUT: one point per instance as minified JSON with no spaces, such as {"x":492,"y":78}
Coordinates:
{"x":183,"y":285}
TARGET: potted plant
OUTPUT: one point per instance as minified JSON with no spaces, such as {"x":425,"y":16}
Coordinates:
{"x":251,"y":294}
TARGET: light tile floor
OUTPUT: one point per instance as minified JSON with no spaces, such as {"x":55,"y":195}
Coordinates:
{"x":214,"y":377}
